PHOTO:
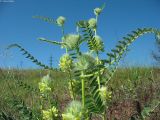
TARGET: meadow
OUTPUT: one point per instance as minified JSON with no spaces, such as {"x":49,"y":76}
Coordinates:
{"x":134,"y":90}
{"x":85,"y":86}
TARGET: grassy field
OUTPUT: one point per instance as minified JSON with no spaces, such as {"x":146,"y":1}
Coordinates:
{"x":133,"y":90}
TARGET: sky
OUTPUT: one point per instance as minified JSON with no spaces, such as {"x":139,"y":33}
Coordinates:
{"x":119,"y":18}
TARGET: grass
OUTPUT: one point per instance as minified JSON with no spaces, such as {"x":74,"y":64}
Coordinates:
{"x":132,"y":90}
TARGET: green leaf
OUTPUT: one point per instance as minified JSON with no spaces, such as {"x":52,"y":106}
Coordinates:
{"x":52,"y":42}
{"x":46,"y":19}
{"x":29,"y":56}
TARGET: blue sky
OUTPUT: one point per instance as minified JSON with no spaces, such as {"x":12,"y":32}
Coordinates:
{"x":118,"y":18}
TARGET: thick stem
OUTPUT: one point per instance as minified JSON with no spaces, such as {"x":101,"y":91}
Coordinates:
{"x":83,"y":91}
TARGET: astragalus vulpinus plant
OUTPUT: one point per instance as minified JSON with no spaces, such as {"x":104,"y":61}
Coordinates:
{"x":89,"y":75}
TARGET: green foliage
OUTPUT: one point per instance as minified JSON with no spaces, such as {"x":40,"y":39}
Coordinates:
{"x":148,"y":110}
{"x":24,"y":111}
{"x":119,"y":84}
{"x":88,"y":74}
{"x":51,"y":41}
{"x":29,"y":56}
{"x":156,"y":54}
{"x":29,"y":88}
{"x":121,"y":48}
{"x":5,"y":116}
{"x":46,"y":19}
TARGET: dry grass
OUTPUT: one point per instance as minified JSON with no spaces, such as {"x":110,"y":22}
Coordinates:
{"x":132,"y":88}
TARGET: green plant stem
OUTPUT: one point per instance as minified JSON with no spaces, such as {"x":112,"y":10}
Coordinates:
{"x":50,"y":105}
{"x":98,"y":80}
{"x":8,"y":83}
{"x":83,"y":91}
{"x":66,"y":51}
{"x":96,"y":25}
{"x":89,"y":75}
{"x":63,"y":30}
{"x":104,"y":115}
{"x":71,"y":82}
{"x":98,"y":77}
{"x":77,"y":29}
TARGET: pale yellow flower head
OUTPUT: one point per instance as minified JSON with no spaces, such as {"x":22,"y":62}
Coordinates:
{"x":50,"y":113}
{"x":73,"y":111}
{"x":85,"y":61}
{"x":61,"y":20}
{"x":44,"y":84}
{"x":92,"y":23}
{"x":71,"y":41}
{"x":68,"y":116}
{"x":44,"y":88}
{"x":46,"y":79}
{"x":105,"y":95}
{"x":97,"y":11}
{"x":65,"y":63}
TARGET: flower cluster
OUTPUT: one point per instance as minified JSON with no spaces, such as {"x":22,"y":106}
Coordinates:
{"x":85,"y":61}
{"x":65,"y":62}
{"x":71,"y":41}
{"x":105,"y":95}
{"x":50,"y":113}
{"x":73,"y":111}
{"x":92,"y":23}
{"x":60,"y":20}
{"x":97,"y":11}
{"x":44,"y":84}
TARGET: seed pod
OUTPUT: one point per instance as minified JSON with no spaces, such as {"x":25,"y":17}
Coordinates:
{"x":71,"y":41}
{"x":61,"y":20}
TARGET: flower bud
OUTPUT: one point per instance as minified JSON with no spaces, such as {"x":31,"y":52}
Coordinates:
{"x":92,"y":23}
{"x":99,"y":46}
{"x":61,"y":20}
{"x":97,"y":11}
